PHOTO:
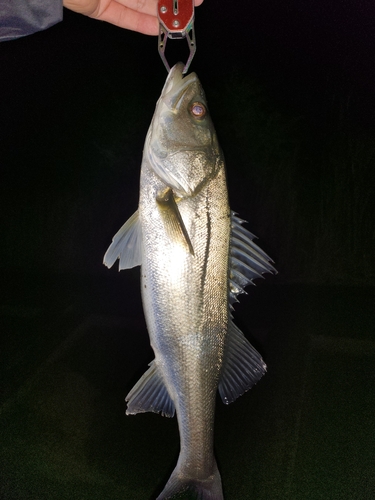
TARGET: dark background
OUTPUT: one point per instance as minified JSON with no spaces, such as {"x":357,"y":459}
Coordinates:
{"x":291,"y":90}
{"x":290,"y":87}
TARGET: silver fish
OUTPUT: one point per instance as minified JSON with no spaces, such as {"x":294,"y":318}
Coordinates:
{"x":195,"y":259}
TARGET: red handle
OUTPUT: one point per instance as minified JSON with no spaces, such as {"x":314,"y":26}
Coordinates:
{"x":176,"y":16}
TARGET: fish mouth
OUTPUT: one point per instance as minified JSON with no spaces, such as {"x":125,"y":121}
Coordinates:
{"x":175,"y":86}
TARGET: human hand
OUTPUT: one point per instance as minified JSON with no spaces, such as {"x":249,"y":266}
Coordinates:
{"x":136,"y":15}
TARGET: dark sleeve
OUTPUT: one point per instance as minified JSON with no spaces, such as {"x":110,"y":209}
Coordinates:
{"x":24,"y":17}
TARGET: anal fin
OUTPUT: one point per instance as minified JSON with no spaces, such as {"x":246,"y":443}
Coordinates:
{"x":150,"y":394}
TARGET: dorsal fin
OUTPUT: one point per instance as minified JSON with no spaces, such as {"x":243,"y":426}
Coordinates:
{"x":247,"y":260}
{"x":242,"y":367}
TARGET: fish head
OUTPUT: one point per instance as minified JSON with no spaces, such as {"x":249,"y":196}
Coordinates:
{"x":181,"y":144}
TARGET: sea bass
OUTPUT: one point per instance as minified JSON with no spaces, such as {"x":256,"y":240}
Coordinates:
{"x":195,"y":259}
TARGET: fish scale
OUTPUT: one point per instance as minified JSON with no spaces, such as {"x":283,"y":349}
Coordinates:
{"x":195,"y":312}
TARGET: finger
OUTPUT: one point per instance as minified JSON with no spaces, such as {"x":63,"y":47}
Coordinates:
{"x":143,"y":6}
{"x":127,"y":18}
{"x":146,"y":6}
{"x":86,"y":8}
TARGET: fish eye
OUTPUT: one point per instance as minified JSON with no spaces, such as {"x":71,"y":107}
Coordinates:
{"x":198,"y":110}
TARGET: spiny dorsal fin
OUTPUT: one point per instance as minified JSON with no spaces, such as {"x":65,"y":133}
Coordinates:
{"x":126,"y":245}
{"x":247,"y":260}
{"x":150,"y":394}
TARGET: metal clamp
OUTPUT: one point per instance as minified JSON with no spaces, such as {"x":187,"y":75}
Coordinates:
{"x":176,"y":18}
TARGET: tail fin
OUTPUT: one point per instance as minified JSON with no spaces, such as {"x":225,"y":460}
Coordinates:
{"x":182,"y":487}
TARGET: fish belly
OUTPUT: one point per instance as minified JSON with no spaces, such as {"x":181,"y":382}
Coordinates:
{"x":185,"y":300}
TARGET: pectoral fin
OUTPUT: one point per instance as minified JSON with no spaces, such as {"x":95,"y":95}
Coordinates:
{"x":174,"y":224}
